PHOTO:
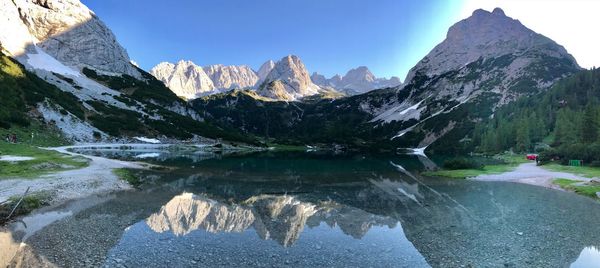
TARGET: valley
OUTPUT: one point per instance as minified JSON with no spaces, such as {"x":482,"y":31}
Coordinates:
{"x":487,"y":153}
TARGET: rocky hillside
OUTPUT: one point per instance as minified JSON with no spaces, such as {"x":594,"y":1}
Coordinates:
{"x":288,"y":80}
{"x":66,"y":30}
{"x":190,"y":81}
{"x":486,"y":61}
{"x":63,"y":67}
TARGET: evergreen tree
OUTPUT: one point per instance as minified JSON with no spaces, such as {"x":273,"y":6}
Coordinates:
{"x":589,"y":126}
{"x":523,"y":138}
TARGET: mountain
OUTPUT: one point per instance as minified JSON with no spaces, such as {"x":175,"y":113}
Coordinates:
{"x":264,"y":70}
{"x":189,"y":80}
{"x":231,"y":77}
{"x":185,"y":78}
{"x":356,"y":81}
{"x":288,"y":80}
{"x":66,"y":30}
{"x":486,"y":61}
{"x":64,"y":70}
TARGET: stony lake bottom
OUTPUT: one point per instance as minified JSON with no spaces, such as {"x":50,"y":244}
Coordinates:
{"x":312,"y":210}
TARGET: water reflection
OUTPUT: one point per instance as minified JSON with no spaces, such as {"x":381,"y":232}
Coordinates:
{"x":279,"y":218}
{"x":323,"y":211}
{"x":589,"y":257}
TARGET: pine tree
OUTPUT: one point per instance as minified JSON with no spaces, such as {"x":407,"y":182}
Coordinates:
{"x":523,"y":136}
{"x":589,"y":126}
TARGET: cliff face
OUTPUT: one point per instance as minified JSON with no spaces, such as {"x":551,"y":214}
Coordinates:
{"x":65,"y":29}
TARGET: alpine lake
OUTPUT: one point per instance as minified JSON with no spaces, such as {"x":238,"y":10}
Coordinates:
{"x":312,"y":209}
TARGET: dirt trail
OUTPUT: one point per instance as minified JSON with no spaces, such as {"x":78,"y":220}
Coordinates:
{"x":529,"y":173}
{"x":95,"y":179}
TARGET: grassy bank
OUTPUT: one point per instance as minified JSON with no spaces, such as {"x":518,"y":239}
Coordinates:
{"x":506,"y":163}
{"x":128,"y":176}
{"x":585,"y":171}
{"x":44,"y":161}
{"x":29,"y":203}
{"x":583,"y":188}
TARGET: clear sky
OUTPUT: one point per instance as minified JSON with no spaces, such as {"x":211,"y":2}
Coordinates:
{"x":330,"y":36}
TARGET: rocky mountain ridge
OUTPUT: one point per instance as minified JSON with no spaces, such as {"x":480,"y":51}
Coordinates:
{"x":486,"y":61}
{"x":290,"y":81}
{"x":74,"y":77}
{"x":66,"y":30}
{"x":356,"y":81}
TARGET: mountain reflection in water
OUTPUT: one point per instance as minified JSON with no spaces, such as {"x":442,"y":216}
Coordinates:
{"x":318,"y":211}
{"x":280,"y":218}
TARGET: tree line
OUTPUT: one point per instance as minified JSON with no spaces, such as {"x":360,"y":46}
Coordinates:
{"x":561,"y":123}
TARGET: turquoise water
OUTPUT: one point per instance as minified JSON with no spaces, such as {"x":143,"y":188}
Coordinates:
{"x":319,"y":210}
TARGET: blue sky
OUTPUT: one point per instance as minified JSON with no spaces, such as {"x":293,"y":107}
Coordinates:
{"x":330,"y":36}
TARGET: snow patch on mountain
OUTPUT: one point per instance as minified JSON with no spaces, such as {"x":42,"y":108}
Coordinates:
{"x":42,"y":60}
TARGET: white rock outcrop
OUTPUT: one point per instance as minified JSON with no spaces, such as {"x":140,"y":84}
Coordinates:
{"x":289,"y":80}
{"x":230,"y":77}
{"x":484,"y":35}
{"x":264,"y":70}
{"x":185,"y":79}
{"x":190,"y":81}
{"x":65,"y":29}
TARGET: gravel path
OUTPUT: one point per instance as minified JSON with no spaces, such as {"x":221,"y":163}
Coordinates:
{"x":94,"y":179}
{"x":529,"y":173}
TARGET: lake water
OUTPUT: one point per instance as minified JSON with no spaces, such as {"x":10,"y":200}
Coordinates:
{"x":313,"y":210}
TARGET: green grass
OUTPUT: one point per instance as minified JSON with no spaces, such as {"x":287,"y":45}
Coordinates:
{"x":44,"y":162}
{"x":29,"y":203}
{"x":511,"y":161}
{"x":42,"y":136}
{"x":587,"y":189}
{"x":128,"y":176}
{"x":585,"y":171}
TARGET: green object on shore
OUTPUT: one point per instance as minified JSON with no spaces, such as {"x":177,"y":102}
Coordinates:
{"x":575,"y":163}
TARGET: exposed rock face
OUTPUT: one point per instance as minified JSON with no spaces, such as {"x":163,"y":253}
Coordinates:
{"x":185,"y":78}
{"x":484,"y":35}
{"x":289,"y":80}
{"x":486,"y":61}
{"x":356,"y":81}
{"x":190,"y":81}
{"x":264,"y":70}
{"x":65,"y":29}
{"x":230,"y":77}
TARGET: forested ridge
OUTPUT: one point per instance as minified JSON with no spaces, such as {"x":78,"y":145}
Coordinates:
{"x":563,"y":122}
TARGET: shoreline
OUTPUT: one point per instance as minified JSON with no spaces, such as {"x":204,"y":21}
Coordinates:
{"x":530,"y":173}
{"x":96,"y":178}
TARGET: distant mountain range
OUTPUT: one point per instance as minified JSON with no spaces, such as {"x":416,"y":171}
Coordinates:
{"x":286,"y":79}
{"x":62,"y":67}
